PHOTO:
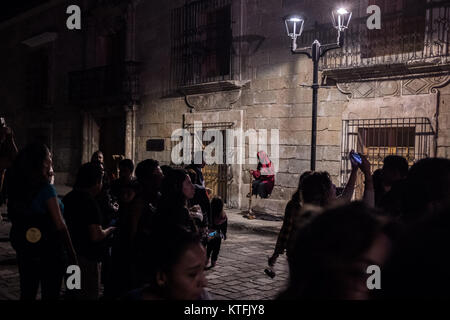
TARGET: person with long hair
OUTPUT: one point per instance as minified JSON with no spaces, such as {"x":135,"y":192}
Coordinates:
{"x":176,"y":190}
{"x":38,"y":233}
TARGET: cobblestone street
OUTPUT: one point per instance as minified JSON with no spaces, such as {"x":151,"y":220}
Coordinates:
{"x":9,"y":274}
{"x":238,"y":275}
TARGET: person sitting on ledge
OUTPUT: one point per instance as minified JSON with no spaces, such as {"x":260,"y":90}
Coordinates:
{"x":264,"y":176}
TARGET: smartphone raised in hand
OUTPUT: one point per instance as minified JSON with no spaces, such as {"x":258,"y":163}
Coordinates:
{"x":356,"y":157}
{"x":212,"y":234}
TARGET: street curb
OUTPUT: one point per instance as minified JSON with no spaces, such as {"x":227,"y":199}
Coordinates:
{"x":253,"y":228}
{"x":237,"y":221}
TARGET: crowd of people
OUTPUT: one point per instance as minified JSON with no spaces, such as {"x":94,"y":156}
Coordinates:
{"x":152,"y":234}
{"x":144,"y":235}
{"x":400,"y":226}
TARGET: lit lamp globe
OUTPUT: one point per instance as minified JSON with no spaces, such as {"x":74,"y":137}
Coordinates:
{"x":341,"y":18}
{"x":294,"y":26}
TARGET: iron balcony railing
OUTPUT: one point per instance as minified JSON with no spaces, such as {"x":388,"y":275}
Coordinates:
{"x":405,"y":39}
{"x":117,"y":83}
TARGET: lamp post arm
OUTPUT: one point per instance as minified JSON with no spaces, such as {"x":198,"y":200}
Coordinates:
{"x":305,"y":51}
{"x":327,"y":47}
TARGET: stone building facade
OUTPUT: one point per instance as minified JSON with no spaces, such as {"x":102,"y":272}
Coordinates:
{"x":37,"y":53}
{"x":227,"y":63}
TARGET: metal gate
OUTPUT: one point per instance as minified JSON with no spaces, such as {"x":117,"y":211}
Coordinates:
{"x":216,"y":179}
{"x":411,"y":138}
{"x":216,"y":175}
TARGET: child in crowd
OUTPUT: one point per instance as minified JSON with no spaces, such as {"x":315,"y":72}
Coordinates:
{"x":178,"y":272}
{"x":218,"y":230}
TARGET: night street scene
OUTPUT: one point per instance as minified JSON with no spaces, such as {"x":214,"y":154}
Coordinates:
{"x":252,"y":151}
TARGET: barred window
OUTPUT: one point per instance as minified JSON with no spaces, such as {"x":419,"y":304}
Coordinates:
{"x":201,"y":43}
{"x":411,"y":138}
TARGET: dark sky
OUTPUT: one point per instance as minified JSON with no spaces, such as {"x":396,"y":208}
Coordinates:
{"x":11,"y":8}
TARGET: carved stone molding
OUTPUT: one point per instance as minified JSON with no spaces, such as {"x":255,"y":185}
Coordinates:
{"x":213,"y":101}
{"x":386,"y":88}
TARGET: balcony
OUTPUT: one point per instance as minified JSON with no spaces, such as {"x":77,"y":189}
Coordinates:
{"x":409,"y":44}
{"x":112,"y":84}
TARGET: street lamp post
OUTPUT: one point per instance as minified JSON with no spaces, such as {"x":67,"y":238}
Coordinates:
{"x":294,"y":28}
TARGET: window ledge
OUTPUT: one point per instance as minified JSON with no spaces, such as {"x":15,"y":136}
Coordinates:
{"x":211,"y":87}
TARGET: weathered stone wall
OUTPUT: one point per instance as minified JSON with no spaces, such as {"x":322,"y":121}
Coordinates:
{"x":275,"y":99}
{"x":443,"y":140}
{"x":60,"y":120}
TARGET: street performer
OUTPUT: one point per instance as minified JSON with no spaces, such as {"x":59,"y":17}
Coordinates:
{"x":264,"y":176}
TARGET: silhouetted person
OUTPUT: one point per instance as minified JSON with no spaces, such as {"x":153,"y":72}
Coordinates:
{"x":8,"y":152}
{"x":126,"y":168}
{"x":138,"y":203}
{"x":378,"y":186}
{"x":197,"y":166}
{"x":395,"y":168}
{"x":165,"y":169}
{"x":291,"y":213}
{"x":200,"y":199}
{"x":393,"y":174}
{"x":217,"y":231}
{"x":8,"y":148}
{"x":84,"y":220}
{"x":176,"y":190}
{"x":418,"y":267}
{"x":427,"y":189}
{"x":172,"y":262}
{"x":331,"y":254}
{"x":109,"y":208}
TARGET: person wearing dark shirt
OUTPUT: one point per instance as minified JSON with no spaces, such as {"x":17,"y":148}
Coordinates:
{"x":137,"y":210}
{"x":197,"y":166}
{"x":8,"y":148}
{"x":218,"y":230}
{"x":176,"y":190}
{"x":126,"y":168}
{"x":200,"y":199}
{"x":109,"y":208}
{"x":8,"y":152}
{"x":84,"y":220}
